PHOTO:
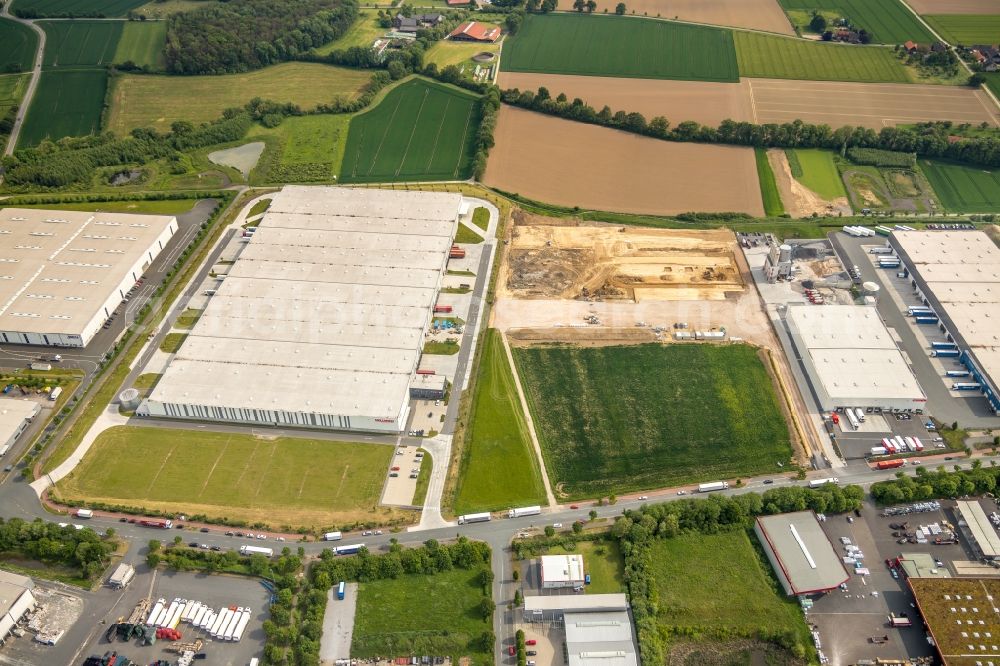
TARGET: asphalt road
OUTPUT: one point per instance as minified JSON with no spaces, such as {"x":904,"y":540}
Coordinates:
{"x":36,"y":75}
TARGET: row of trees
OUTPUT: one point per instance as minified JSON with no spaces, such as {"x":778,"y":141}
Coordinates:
{"x":939,"y":483}
{"x":637,"y":530}
{"x":83,"y":551}
{"x":250,"y":34}
{"x":931,"y":139}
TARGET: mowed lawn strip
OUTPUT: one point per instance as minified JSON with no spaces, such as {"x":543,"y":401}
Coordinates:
{"x":620,"y":46}
{"x":68,"y":102}
{"x":421,"y":130}
{"x":80,"y":43}
{"x":499,"y":468}
{"x":819,"y":173}
{"x":156,"y":101}
{"x":962,"y":188}
{"x":420,"y":614}
{"x":19,"y":45}
{"x":627,"y":418}
{"x":718,"y":582}
{"x":68,"y":8}
{"x":967,"y":29}
{"x":772,"y":57}
{"x":142,"y":42}
{"x":229,"y":474}
{"x":603,"y":561}
{"x":888,"y":21}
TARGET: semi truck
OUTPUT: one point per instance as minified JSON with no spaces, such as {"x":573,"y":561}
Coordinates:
{"x":851,"y":418}
{"x":84,"y":513}
{"x":348,"y":550}
{"x":966,"y":386}
{"x":160,"y":524}
{"x":818,"y":483}
{"x":880,"y":250}
{"x":341,"y":590}
{"x":957,"y":373}
{"x":524,"y":511}
{"x":914,"y":310}
{"x":456,"y":252}
{"x":333,"y":536}
{"x":256,"y":550}
{"x":945,"y":353}
{"x":883,"y":231}
{"x":474,"y":518}
{"x":859,"y":414}
{"x":889,"y":464}
{"x":55,"y":393}
{"x":926,"y":319}
{"x":879,"y":450}
{"x":713,"y":486}
{"x":943,"y":345}
{"x":442,"y":309}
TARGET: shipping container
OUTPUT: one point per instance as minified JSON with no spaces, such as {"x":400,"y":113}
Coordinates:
{"x":713,"y":486}
{"x":333,"y":536}
{"x":818,"y":483}
{"x":256,"y":550}
{"x":889,"y":464}
{"x":524,"y":511}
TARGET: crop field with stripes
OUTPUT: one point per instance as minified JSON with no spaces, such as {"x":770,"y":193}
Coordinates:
{"x":772,"y":57}
{"x":962,"y":188}
{"x":421,"y":130}
{"x":80,"y":43}
{"x":888,"y":21}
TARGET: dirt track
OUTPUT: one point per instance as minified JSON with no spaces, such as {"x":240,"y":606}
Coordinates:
{"x":869,"y":104}
{"x":799,"y":200}
{"x":755,"y":14}
{"x":573,"y":164}
{"x":955,"y":6}
{"x":702,"y":101}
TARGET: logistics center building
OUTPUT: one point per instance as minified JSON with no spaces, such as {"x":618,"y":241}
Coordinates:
{"x":802,"y":556}
{"x":957,"y":274}
{"x":63,"y":273}
{"x":851,"y":359}
{"x":320,"y":321}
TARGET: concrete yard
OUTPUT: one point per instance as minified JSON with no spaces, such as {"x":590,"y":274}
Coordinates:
{"x":338,"y":625}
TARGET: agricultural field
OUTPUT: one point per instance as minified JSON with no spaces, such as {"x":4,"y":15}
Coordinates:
{"x":620,"y":47}
{"x":68,"y":102}
{"x":967,"y":29}
{"x":280,"y":481}
{"x":80,"y":43}
{"x":575,"y":164}
{"x":448,"y":620}
{"x":142,"y":42}
{"x":954,"y":6}
{"x":816,"y":170}
{"x":12,"y":87}
{"x":603,"y":561}
{"x":765,"y":15}
{"x":888,"y":21}
{"x":82,"y":8}
{"x":773,"y":57}
{"x":689,"y":571}
{"x":163,"y":8}
{"x":962,"y":188}
{"x":363,"y":32}
{"x":157,"y":101}
{"x":421,"y":130}
{"x":303,"y":149}
{"x":705,"y":102}
{"x":768,"y":185}
{"x":628,"y":418}
{"x":497,"y":438}
{"x":19,"y":45}
{"x":874,"y":105}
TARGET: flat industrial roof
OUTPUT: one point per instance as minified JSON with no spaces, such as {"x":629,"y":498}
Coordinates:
{"x":13,"y":412}
{"x":59,"y":267}
{"x":575,"y":602}
{"x":360,"y":202}
{"x":320,"y":272}
{"x":962,"y":292}
{"x":562,"y":568}
{"x":948,"y":247}
{"x":866,"y":373}
{"x":979,"y":524}
{"x":962,"y":617}
{"x":959,"y":273}
{"x":335,"y":255}
{"x":342,"y":335}
{"x":322,"y":314}
{"x":840,"y":327}
{"x":600,"y":638}
{"x":12,"y":586}
{"x":922,"y":565}
{"x":363,"y":237}
{"x":803,"y":555}
{"x":327,"y":292}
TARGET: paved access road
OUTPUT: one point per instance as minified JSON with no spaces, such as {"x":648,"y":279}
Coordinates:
{"x":36,"y":75}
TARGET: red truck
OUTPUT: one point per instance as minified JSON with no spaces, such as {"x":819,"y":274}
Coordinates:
{"x":161,"y":524}
{"x":889,"y":464}
{"x":426,"y":372}
{"x":442,"y":308}
{"x":456,"y":252}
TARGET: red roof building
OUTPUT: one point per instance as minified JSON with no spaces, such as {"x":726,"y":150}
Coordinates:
{"x":457,"y":3}
{"x":473,"y":31}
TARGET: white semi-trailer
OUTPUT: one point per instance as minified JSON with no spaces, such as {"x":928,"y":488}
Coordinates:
{"x":256,"y":550}
{"x":155,"y":613}
{"x":819,"y":483}
{"x":242,"y":625}
{"x":231,"y":627}
{"x":524,"y":511}
{"x":851,"y":418}
{"x":333,"y":536}
{"x":474,"y":518}
{"x":713,"y":486}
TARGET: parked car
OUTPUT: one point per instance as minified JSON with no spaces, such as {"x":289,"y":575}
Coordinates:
{"x":511,"y":650}
{"x":204,"y":529}
{"x":768,"y":482}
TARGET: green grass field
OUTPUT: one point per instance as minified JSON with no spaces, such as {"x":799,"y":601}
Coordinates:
{"x":467,"y":235}
{"x":888,"y":21}
{"x":80,"y":43}
{"x":768,"y":186}
{"x":964,"y":189}
{"x":603,"y":561}
{"x":819,"y":173}
{"x":497,"y":438}
{"x":447,"y":52}
{"x":68,"y":102}
{"x":421,"y":130}
{"x":419,"y":614}
{"x":717,"y":582}
{"x":157,"y":101}
{"x":12,"y":87}
{"x":152,"y":207}
{"x":967,"y":29}
{"x":65,"y":8}
{"x":306,"y":148}
{"x":620,"y":419}
{"x":238,"y":476}
{"x":620,"y":46}
{"x":363,"y":32}
{"x":19,"y":45}
{"x":142,"y":43}
{"x":772,"y":57}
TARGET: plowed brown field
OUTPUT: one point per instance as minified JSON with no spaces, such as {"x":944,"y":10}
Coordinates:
{"x":955,"y":6}
{"x":574,"y":164}
{"x":754,"y":14}
{"x":702,"y":101}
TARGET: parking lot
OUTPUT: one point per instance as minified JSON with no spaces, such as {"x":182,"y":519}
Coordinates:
{"x":857,"y":444}
{"x":405,"y":465}
{"x":549,"y":637}
{"x":849,"y":619}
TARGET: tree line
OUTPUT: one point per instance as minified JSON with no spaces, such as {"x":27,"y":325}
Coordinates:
{"x":240,"y":36}
{"x":937,"y":484}
{"x":83,"y":551}
{"x":926,"y":139}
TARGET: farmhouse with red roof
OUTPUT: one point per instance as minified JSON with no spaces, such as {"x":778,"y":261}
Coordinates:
{"x":474,"y":31}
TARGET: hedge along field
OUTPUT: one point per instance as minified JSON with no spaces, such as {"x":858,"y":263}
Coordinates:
{"x":142,"y":43}
{"x":19,"y":45}
{"x":68,"y":102}
{"x":421,"y":130}
{"x":967,"y":29}
{"x":620,"y":46}
{"x":964,"y":189}
{"x":888,"y":21}
{"x":80,"y":43}
{"x":772,"y":57}
{"x":67,"y":8}
{"x":621,"y":419}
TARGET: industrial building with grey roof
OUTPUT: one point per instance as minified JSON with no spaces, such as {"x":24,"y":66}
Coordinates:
{"x":957,"y":274}
{"x":851,"y":358}
{"x":320,"y":322}
{"x":802,"y":556}
{"x":63,"y":273}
